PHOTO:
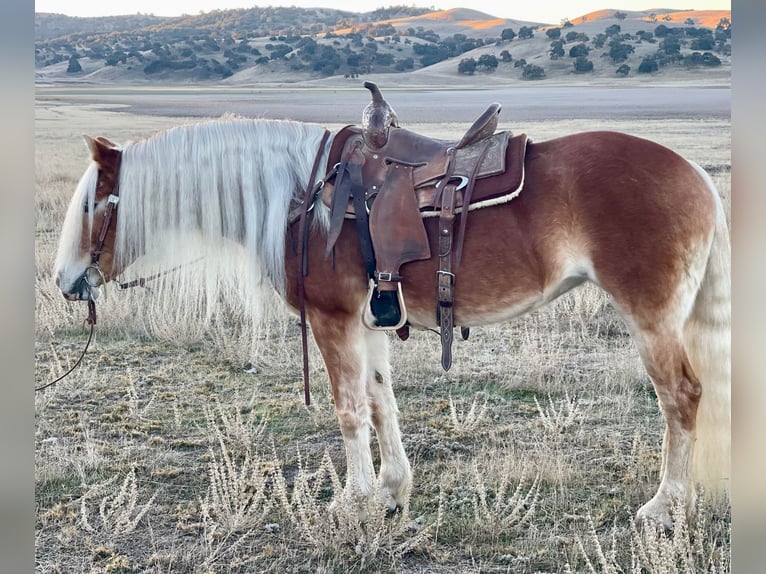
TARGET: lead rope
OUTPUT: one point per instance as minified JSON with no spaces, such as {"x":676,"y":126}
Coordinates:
{"x":91,"y":320}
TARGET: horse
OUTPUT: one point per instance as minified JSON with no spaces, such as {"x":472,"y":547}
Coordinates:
{"x":629,"y":215}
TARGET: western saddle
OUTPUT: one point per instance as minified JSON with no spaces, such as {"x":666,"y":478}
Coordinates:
{"x":388,"y":179}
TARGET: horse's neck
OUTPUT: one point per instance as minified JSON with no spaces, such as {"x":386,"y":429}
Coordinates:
{"x":236,"y":189}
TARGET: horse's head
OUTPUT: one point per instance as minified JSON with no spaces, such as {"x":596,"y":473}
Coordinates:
{"x":85,"y":257}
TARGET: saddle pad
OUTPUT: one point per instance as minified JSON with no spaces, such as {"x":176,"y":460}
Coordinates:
{"x":487,"y":191}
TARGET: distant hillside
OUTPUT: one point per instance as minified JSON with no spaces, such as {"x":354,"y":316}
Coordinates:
{"x":706,"y":18}
{"x":288,"y":44}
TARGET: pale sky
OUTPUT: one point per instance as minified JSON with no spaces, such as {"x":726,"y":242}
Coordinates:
{"x":550,"y":12}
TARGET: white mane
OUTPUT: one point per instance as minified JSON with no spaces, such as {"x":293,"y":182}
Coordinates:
{"x":230,"y":179}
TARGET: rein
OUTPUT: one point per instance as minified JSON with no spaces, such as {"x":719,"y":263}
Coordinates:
{"x":303,"y":261}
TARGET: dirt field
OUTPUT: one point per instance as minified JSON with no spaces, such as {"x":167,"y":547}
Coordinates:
{"x":174,"y":451}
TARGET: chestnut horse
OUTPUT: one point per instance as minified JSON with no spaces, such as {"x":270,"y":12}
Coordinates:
{"x":627,"y":214}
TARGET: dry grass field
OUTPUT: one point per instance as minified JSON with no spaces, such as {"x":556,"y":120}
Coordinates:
{"x":178,"y":449}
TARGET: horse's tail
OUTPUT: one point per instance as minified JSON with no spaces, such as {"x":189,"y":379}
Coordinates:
{"x":707,"y":339}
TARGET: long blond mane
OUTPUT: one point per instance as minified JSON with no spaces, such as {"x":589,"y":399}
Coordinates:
{"x":210,"y":200}
{"x":230,"y":179}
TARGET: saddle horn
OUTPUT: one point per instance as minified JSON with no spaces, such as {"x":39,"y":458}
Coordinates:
{"x":378,"y":116}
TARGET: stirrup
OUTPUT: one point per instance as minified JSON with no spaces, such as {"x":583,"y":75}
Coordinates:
{"x":371,"y":321}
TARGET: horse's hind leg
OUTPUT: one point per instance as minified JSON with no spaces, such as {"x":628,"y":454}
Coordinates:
{"x":341,"y":341}
{"x":678,"y":391}
{"x":395,"y":473}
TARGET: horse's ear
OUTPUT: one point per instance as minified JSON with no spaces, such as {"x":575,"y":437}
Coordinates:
{"x":101,"y":149}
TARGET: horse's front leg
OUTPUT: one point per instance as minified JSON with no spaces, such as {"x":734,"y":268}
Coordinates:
{"x":395,"y":473}
{"x":341,"y":341}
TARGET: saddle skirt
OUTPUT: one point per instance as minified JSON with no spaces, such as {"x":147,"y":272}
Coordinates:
{"x":499,"y":177}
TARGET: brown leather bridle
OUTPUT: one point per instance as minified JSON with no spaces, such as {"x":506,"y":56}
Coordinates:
{"x":94,"y":266}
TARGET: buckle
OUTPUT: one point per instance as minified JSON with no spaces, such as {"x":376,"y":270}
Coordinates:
{"x":387,"y":276}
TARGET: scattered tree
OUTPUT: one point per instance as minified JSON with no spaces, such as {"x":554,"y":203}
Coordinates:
{"x":526,"y":32}
{"x":507,"y":34}
{"x":620,"y":15}
{"x":557,"y":49}
{"x":671,"y":45}
{"x":619,"y":51}
{"x":582,"y":65}
{"x":404,"y":64}
{"x":487,"y":61}
{"x":623,"y":70}
{"x":505,"y":56}
{"x":648,"y":65}
{"x":74,"y":65}
{"x":553,"y":33}
{"x":702,"y":43}
{"x":467,"y":66}
{"x":698,"y":59}
{"x":578,"y":50}
{"x":599,"y":40}
{"x":532,"y":72}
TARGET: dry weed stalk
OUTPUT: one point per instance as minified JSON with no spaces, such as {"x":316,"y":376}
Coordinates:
{"x":117,"y":512}
{"x":503,"y":506}
{"x":466,"y":422}
{"x":688,"y":549}
{"x":236,"y":502}
{"x":346,"y":520}
{"x":230,"y":425}
{"x":558,"y":419}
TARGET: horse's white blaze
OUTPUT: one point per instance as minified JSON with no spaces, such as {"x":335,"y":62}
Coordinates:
{"x":71,"y":260}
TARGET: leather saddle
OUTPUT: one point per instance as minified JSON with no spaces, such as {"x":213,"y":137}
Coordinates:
{"x":389,"y":178}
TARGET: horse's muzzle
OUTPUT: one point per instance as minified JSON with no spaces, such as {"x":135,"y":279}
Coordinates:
{"x":82,"y":289}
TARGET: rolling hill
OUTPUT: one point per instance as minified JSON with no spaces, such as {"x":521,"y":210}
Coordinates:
{"x":288,"y":45}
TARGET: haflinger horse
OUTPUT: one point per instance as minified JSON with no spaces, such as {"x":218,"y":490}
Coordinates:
{"x":631,"y":216}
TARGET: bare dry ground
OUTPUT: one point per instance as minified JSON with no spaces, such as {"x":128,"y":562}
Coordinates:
{"x":174,"y":450}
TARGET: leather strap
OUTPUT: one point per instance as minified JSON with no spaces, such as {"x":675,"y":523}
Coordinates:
{"x":466,"y":202}
{"x":445,"y":277}
{"x":303,"y":261}
{"x":342,"y":191}
{"x":358,"y":196}
{"x":111,"y":206}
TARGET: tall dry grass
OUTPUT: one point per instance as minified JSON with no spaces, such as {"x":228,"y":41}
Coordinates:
{"x":175,"y":449}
